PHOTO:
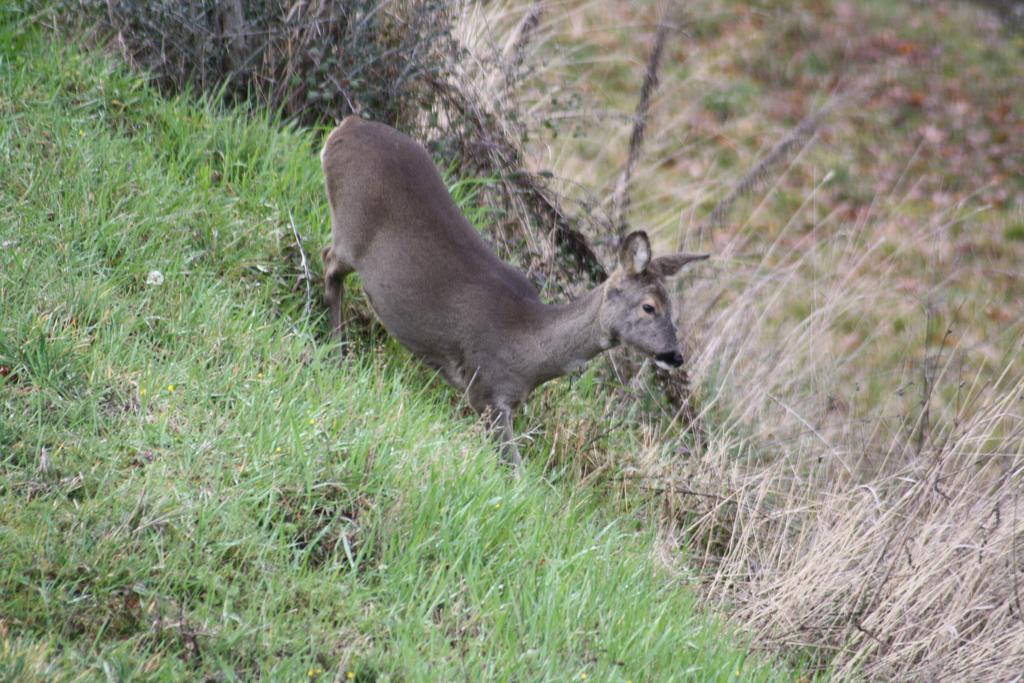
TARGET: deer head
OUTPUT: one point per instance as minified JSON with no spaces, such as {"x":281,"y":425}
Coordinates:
{"x":636,"y":309}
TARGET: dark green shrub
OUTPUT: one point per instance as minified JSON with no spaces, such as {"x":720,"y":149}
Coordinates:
{"x":317,"y":61}
{"x":312,"y":60}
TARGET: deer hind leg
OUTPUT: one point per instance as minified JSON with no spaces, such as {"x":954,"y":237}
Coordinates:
{"x":335,"y":271}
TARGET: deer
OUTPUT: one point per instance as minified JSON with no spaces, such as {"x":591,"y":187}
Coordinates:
{"x":439,"y":289}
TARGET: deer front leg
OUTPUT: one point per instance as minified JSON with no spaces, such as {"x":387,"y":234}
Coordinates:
{"x":503,"y":425}
{"x":335,"y":272}
{"x":497,"y":413}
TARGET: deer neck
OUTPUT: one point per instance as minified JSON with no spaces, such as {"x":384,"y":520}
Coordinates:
{"x":570,"y":334}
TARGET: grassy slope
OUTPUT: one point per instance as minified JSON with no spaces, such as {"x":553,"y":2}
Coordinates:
{"x":191,"y":485}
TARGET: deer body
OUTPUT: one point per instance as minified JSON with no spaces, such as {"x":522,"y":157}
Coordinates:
{"x":443,"y":294}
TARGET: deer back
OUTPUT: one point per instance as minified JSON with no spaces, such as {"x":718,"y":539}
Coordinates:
{"x":429,"y":275}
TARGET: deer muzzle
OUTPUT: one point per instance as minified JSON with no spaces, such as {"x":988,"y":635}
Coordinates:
{"x":668,"y":360}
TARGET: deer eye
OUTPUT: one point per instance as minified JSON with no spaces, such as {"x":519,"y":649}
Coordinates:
{"x":648,"y":309}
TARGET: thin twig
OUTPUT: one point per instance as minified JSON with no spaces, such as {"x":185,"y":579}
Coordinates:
{"x":785,"y":149}
{"x":305,"y":266}
{"x":813,"y":431}
{"x":620,"y":198}
{"x":515,"y":48}
{"x":1016,"y":565}
{"x":676,"y":490}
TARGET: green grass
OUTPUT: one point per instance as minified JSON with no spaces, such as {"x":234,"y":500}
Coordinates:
{"x":192,"y":485}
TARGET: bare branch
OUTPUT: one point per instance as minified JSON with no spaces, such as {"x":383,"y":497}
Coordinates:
{"x":515,"y":48}
{"x":784,"y":149}
{"x":620,"y":198}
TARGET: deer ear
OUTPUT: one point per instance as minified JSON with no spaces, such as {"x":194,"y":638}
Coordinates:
{"x":667,"y":266}
{"x":635,"y":252}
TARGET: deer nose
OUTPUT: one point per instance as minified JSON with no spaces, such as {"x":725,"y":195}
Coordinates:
{"x":671,"y":358}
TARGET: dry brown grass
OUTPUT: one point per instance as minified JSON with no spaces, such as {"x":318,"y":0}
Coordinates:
{"x":854,"y":496}
{"x":887,"y":541}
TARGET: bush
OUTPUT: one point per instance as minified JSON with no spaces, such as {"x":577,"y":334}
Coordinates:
{"x":317,"y":61}
{"x":312,"y":60}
